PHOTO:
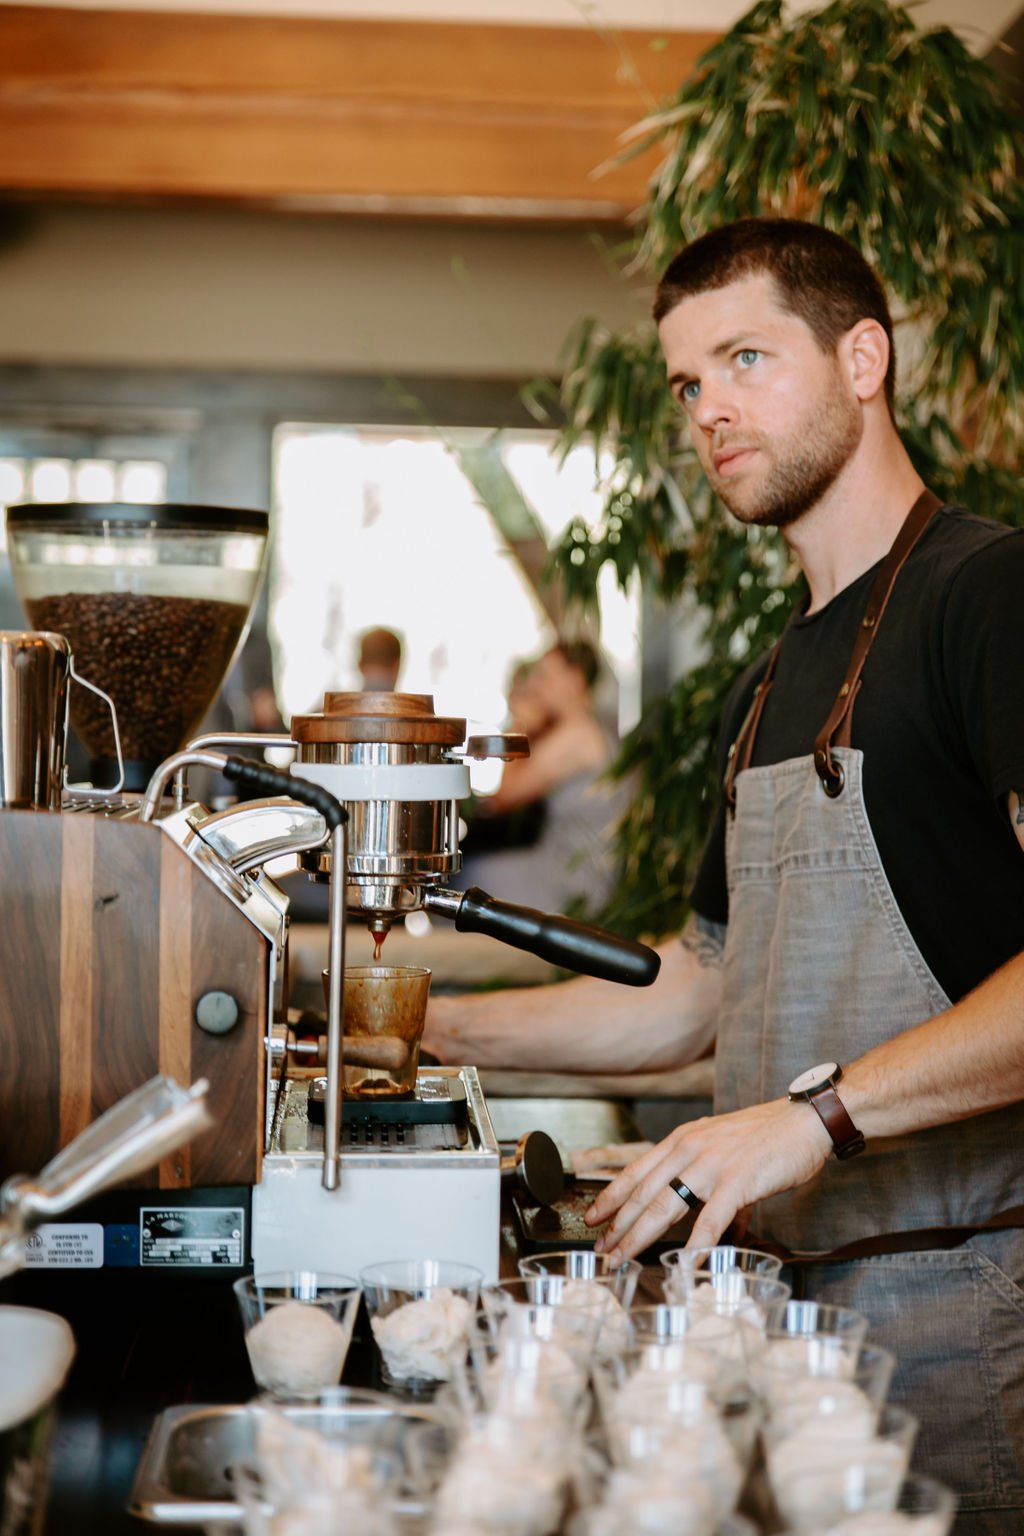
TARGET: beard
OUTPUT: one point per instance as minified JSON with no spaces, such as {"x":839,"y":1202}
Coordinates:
{"x":803,"y":466}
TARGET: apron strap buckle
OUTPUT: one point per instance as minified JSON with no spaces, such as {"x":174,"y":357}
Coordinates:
{"x":831,"y":773}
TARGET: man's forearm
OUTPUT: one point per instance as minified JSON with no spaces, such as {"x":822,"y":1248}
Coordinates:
{"x":960,"y":1063}
{"x":586,"y":1025}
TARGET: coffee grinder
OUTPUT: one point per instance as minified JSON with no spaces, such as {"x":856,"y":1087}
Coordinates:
{"x":114,"y":942}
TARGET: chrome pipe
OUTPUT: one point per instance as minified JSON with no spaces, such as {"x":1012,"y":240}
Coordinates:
{"x":228,"y":739}
{"x":335,"y":1012}
{"x":158,"y":783}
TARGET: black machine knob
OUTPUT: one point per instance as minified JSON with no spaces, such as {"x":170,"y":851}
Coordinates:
{"x":535,"y":1169}
{"x":217,"y":1012}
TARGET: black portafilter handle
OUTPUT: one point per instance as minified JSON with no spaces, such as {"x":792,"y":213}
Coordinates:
{"x":563,"y":941}
{"x":273,"y":781}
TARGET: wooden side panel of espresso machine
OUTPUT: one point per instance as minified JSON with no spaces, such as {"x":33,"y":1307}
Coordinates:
{"x":109,"y":935}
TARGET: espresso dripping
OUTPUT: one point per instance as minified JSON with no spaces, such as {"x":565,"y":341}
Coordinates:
{"x":378,"y":935}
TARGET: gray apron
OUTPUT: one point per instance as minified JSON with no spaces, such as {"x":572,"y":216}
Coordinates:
{"x":819,"y":965}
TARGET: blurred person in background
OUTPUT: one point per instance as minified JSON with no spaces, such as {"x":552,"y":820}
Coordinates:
{"x":571,"y":748}
{"x":489,"y":829}
{"x":379,"y":660}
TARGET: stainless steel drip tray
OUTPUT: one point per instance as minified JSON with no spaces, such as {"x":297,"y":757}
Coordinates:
{"x":457,"y":1127}
{"x":184,"y":1475}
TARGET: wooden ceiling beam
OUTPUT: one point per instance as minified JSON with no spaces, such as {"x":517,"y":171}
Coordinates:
{"x":389,"y":116}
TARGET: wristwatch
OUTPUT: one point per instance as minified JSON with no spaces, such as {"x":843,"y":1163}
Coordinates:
{"x":818,"y":1087}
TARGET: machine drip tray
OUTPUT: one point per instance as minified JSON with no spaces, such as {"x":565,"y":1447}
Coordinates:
{"x":437,"y":1101}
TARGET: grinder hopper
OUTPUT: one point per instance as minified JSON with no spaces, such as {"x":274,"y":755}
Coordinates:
{"x":154,"y":601}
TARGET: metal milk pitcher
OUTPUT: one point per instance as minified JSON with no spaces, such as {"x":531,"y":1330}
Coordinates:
{"x":34,"y":669}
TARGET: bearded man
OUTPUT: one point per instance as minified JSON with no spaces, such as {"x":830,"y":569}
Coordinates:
{"x":855,"y":951}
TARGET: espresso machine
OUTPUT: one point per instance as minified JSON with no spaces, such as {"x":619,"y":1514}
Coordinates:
{"x":141,"y":932}
{"x":400,"y":771}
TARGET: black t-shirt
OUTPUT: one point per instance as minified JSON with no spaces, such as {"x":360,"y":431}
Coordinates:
{"x":940,"y":720}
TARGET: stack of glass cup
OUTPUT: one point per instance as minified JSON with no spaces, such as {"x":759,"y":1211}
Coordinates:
{"x":568,"y":1403}
{"x":835,"y":1454}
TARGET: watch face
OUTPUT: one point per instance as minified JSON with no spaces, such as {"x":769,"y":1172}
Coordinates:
{"x":815,"y":1077}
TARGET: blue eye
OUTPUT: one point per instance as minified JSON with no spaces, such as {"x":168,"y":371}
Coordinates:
{"x":748,"y":357}
{"x":689,"y":392}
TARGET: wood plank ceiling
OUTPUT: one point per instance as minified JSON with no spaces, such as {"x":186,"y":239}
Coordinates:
{"x":373,"y":116}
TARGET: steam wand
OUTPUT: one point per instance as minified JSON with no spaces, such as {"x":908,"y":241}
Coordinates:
{"x":272,"y":781}
{"x":131,"y":1137}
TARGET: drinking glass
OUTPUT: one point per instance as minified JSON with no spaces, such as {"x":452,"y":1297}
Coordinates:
{"x":547,"y":1307}
{"x":789,"y":1394}
{"x":533,"y":1372}
{"x":727,"y":1338}
{"x":728,"y":1290}
{"x":353,"y":1446}
{"x":812,"y":1337}
{"x":327,"y":1462}
{"x":314,"y":1509}
{"x":420,"y":1311}
{"x":586,"y":1266}
{"x":667,"y":1377}
{"x":298,"y":1327}
{"x":702,"y":1264}
{"x":923,"y":1508}
{"x":835,"y":1457}
{"x":385,"y":1010}
{"x":509,"y":1476}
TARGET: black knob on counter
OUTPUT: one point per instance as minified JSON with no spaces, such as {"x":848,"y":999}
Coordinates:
{"x":535,"y":1169}
{"x":217,"y":1012}
{"x":561,"y":940}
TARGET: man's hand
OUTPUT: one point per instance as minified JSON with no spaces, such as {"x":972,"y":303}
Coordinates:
{"x":728,"y":1161}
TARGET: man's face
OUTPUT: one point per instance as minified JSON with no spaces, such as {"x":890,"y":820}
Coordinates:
{"x":773,"y":418}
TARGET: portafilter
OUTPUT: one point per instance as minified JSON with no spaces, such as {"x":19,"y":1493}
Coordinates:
{"x":400,"y":770}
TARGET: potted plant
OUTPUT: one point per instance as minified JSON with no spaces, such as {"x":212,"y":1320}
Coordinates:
{"x":902,"y":141}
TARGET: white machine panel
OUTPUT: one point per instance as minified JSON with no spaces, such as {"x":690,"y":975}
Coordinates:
{"x":432,"y":1193}
{"x":376,"y":1213}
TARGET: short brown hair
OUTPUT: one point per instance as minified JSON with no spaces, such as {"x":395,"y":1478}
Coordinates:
{"x":583,"y":656}
{"x":380,"y":647}
{"x":820,"y":277}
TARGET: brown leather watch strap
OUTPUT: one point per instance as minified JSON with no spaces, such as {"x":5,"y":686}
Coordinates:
{"x":846,"y":1139}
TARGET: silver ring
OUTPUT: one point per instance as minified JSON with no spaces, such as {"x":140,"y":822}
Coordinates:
{"x":690,"y":1200}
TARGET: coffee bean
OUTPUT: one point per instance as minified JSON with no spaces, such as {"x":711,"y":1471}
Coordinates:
{"x":161,"y":659}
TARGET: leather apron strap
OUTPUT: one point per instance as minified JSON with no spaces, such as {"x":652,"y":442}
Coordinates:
{"x":837,"y":728}
{"x":917,"y":1240}
{"x":742,"y":748}
{"x":838,"y":724}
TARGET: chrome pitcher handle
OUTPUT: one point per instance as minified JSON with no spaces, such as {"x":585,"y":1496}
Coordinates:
{"x":98,"y":794}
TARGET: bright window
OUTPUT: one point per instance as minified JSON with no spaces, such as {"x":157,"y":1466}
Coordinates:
{"x":52,"y":479}
{"x":381,"y":527}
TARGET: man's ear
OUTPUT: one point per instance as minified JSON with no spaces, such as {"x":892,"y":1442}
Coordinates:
{"x":865,"y":351}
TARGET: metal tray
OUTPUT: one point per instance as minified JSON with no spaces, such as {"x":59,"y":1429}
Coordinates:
{"x":549,"y":1229}
{"x":184,"y":1473}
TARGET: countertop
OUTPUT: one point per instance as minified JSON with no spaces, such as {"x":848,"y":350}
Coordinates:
{"x":147,"y":1341}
